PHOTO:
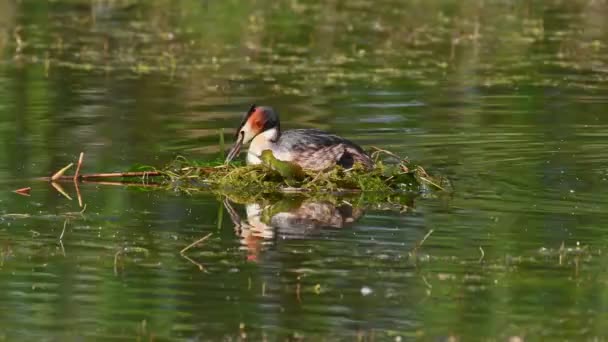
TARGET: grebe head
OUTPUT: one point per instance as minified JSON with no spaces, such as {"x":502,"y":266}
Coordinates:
{"x":257,"y":120}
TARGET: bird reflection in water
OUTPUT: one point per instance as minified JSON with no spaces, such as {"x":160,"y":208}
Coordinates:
{"x":289,"y":218}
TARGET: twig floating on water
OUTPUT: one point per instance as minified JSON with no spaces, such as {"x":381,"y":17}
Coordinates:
{"x":378,"y":151}
{"x":23,"y":191}
{"x":432,"y":183}
{"x":195,"y":243}
{"x":60,"y":173}
{"x":80,"y":160}
{"x":426,"y":237}
{"x":78,"y":193}
{"x":428,"y":285}
{"x":198,"y":264}
{"x":62,"y":248}
{"x":60,"y":190}
{"x":93,"y":176}
{"x":121,"y":174}
{"x":422,"y":242}
{"x":483,"y":254}
{"x":65,"y":224}
{"x":138,"y":184}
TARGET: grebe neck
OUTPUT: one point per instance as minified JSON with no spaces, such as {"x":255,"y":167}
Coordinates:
{"x":271,"y":135}
{"x":266,"y":140}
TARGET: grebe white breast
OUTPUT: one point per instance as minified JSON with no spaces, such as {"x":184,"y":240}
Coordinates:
{"x":311,"y":149}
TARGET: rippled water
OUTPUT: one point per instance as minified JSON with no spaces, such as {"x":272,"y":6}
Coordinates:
{"x":506,"y":99}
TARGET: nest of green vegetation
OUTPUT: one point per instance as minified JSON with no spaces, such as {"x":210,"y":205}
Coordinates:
{"x":390,"y":174}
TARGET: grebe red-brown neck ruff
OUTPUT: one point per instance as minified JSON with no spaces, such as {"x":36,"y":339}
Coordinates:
{"x":312,"y":149}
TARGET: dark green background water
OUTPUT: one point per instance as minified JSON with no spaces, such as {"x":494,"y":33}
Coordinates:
{"x":508,"y":99}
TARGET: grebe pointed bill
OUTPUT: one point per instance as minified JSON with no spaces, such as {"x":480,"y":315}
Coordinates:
{"x":311,"y":149}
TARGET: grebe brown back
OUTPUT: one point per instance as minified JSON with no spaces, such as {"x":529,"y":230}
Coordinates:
{"x":312,"y":149}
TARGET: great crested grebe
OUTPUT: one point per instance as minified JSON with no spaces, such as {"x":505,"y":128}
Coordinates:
{"x":311,"y":149}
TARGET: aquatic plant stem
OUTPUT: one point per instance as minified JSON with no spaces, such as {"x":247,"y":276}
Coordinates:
{"x":426,"y":237}
{"x":141,"y":185}
{"x":418,"y":245}
{"x":106,"y":175}
{"x":59,"y":189}
{"x":78,"y":195}
{"x":76,"y":174}
{"x":65,"y":224}
{"x":23,"y":191}
{"x":198,"y":264}
{"x":80,"y":160}
{"x":195,"y":243}
{"x":378,"y":151}
{"x":60,"y":173}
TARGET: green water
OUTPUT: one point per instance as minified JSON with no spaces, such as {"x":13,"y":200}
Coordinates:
{"x":507,"y":99}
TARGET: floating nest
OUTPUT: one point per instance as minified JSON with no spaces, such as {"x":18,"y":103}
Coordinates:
{"x":393,"y":180}
{"x":391,"y":174}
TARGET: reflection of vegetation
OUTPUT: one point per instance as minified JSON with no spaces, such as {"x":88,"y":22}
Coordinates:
{"x":272,"y":202}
